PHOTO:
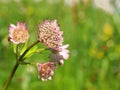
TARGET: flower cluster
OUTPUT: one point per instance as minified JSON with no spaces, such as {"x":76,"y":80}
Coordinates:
{"x":50,"y":35}
{"x":45,"y":71}
{"x":18,"y":34}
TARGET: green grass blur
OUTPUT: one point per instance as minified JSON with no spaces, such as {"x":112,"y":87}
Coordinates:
{"x":93,"y":35}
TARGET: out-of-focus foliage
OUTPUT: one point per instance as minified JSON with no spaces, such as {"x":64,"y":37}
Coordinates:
{"x":93,"y":35}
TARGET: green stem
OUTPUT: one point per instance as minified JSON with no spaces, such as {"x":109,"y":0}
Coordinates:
{"x":16,"y":66}
{"x":27,"y":63}
{"x":10,"y":77}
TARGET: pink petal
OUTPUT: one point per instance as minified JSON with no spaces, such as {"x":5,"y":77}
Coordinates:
{"x":65,"y":46}
{"x":11,"y":28}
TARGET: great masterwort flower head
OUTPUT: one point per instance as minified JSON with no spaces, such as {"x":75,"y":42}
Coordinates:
{"x":18,"y":34}
{"x":49,"y":34}
{"x":58,"y":56}
{"x":45,"y":71}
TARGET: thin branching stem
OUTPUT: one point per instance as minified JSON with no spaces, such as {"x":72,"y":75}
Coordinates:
{"x":17,"y":64}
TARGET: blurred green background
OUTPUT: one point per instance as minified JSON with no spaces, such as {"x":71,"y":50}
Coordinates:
{"x":93,"y":35}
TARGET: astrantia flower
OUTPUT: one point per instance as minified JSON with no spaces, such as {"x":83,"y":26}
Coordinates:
{"x":18,"y":34}
{"x":45,"y":71}
{"x":59,"y":56}
{"x":49,"y":34}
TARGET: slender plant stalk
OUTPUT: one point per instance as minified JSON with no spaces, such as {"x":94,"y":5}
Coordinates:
{"x":10,"y":77}
{"x":16,"y":66}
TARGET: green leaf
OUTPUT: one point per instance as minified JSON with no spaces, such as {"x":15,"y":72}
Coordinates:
{"x":14,"y":48}
{"x":33,"y":51}
{"x":24,"y":47}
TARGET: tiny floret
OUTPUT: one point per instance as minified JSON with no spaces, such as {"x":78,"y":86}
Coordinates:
{"x":58,"y":56}
{"x":18,"y":34}
{"x":49,"y":34}
{"x":45,"y":71}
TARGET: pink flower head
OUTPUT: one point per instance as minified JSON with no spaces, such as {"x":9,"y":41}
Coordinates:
{"x":45,"y":71}
{"x":58,"y":56}
{"x":49,"y":34}
{"x":18,"y":34}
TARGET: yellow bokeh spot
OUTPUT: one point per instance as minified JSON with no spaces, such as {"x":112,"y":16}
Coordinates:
{"x":117,"y":48}
{"x":29,"y":11}
{"x":100,"y":54}
{"x":108,"y":30}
